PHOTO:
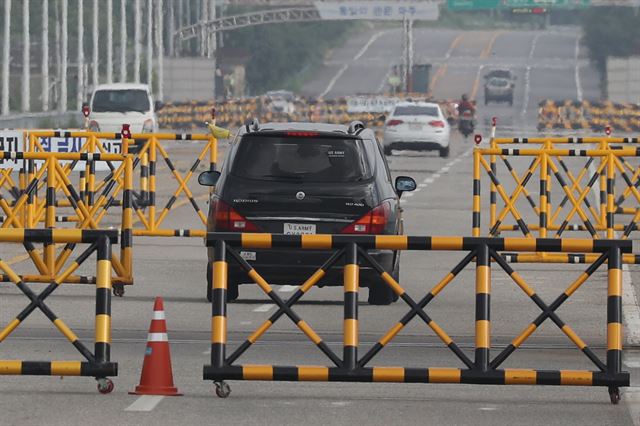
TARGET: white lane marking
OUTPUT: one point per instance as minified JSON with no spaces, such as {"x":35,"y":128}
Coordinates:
{"x":632,"y":398}
{"x":633,"y":363}
{"x":534,"y":43}
{"x":245,"y":322}
{"x":345,"y":66}
{"x":436,"y":175}
{"x":445,"y":169}
{"x":488,"y":408}
{"x":207,"y":352}
{"x":145,"y":403}
{"x":409,"y":194}
{"x":422,"y":185}
{"x":527,"y":91}
{"x":341,"y":403}
{"x":334,"y":79}
{"x":287,"y":288}
{"x":264,"y":308}
{"x":428,"y":180}
{"x":366,"y":46}
{"x":577,"y":71}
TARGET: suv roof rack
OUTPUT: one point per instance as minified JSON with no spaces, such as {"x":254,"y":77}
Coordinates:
{"x":355,"y":127}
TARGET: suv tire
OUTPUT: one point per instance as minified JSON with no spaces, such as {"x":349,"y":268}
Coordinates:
{"x":380,"y":293}
{"x":232,"y":285}
{"x":444,"y":152}
{"x":387,"y":151}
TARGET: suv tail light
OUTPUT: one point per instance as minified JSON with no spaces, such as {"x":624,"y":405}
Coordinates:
{"x":436,"y":123}
{"x":372,"y":222}
{"x":227,"y":219}
{"x":394,"y":122}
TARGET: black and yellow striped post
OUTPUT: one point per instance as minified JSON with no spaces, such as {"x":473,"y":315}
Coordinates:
{"x":614,"y":319}
{"x":126,"y":243}
{"x":219,"y":306}
{"x":483,"y":303}
{"x":351,"y":286}
{"x":152,"y":182}
{"x":144,"y":178}
{"x":476,"y":207}
{"x":611,"y":182}
{"x":50,"y":217}
{"x":103,"y":302}
{"x":544,"y":188}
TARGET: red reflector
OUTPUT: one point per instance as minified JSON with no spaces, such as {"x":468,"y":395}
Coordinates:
{"x":373,"y":222}
{"x":436,"y":123}
{"x":227,"y":219}
{"x":394,"y":122}
{"x":303,"y":134}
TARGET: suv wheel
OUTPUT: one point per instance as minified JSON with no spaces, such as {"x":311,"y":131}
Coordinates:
{"x":387,"y":150}
{"x":380,"y":293}
{"x":444,"y":152}
{"x":232,"y":285}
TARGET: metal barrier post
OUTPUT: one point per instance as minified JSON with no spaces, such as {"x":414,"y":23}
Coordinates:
{"x":483,"y":319}
{"x":544,"y":182}
{"x":611,"y":182}
{"x":475,"y":215}
{"x":614,"y":319}
{"x":219,"y":306}
{"x":152,"y":183}
{"x":103,"y":302}
{"x":351,"y":285}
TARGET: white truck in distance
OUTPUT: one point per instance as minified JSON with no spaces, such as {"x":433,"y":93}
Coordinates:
{"x":113,"y":105}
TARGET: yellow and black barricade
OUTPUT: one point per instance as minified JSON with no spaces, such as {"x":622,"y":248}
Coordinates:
{"x":97,"y":363}
{"x":353,"y":250}
{"x":28,"y":211}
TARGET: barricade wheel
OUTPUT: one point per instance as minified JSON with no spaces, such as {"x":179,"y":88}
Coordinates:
{"x":105,"y":386}
{"x":614,"y":394}
{"x":118,"y":290}
{"x":222,"y":389}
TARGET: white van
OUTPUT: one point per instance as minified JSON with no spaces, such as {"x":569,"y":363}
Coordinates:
{"x":113,"y":105}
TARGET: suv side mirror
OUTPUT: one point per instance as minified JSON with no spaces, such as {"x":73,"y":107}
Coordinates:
{"x":157,"y":105}
{"x":209,"y":178}
{"x":405,"y":184}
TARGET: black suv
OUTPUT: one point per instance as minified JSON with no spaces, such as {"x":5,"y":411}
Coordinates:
{"x":306,"y":178}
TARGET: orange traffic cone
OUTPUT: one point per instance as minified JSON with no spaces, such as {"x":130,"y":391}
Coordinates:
{"x":157,"y":376}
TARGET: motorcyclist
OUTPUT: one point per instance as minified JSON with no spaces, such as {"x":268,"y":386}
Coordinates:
{"x":466,"y":105}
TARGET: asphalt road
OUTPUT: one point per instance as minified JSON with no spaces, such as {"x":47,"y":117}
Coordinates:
{"x":548,"y":64}
{"x":174,"y":269}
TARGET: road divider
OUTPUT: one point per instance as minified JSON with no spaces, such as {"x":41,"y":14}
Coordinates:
{"x":480,"y":368}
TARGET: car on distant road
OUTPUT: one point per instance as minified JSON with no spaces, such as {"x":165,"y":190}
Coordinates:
{"x":417,"y":126}
{"x":113,"y":105}
{"x":280,"y":101}
{"x":499,"y":86}
{"x":306,"y":178}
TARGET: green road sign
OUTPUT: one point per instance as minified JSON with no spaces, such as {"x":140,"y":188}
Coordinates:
{"x":457,"y":5}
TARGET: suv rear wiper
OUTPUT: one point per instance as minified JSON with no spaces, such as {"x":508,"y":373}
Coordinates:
{"x":296,"y":177}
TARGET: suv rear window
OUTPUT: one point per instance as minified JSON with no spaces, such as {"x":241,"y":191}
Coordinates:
{"x":120,"y":101}
{"x":431,"y":111}
{"x":305,"y":159}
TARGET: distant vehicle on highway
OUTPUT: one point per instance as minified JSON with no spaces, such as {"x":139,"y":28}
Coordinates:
{"x":280,"y":101}
{"x":499,"y":86}
{"x":306,"y":178}
{"x":417,"y":126}
{"x":113,"y":105}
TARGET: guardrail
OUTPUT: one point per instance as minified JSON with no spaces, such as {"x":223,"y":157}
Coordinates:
{"x":547,"y":161}
{"x":97,"y":363}
{"x":352,"y":367}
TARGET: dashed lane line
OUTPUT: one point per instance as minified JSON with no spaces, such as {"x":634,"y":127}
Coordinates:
{"x":145,"y":403}
{"x":264,"y":308}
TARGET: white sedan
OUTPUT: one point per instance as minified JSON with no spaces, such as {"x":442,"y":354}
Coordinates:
{"x":417,"y":126}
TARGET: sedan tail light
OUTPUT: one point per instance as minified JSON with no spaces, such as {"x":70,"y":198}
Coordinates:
{"x":394,"y":122}
{"x":373,"y":222}
{"x":437,"y":123}
{"x":227,"y":219}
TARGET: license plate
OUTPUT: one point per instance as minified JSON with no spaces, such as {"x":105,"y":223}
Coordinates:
{"x":415,"y":126}
{"x":248,"y":255}
{"x":299,"y":228}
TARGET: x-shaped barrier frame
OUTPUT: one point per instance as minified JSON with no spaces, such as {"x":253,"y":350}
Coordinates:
{"x":481,"y":369}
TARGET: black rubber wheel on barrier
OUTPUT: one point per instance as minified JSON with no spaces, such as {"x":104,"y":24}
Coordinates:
{"x":118,"y":290}
{"x":232,"y":285}
{"x":105,"y":386}
{"x":380,"y":293}
{"x":223,"y":390}
{"x":614,"y":395}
